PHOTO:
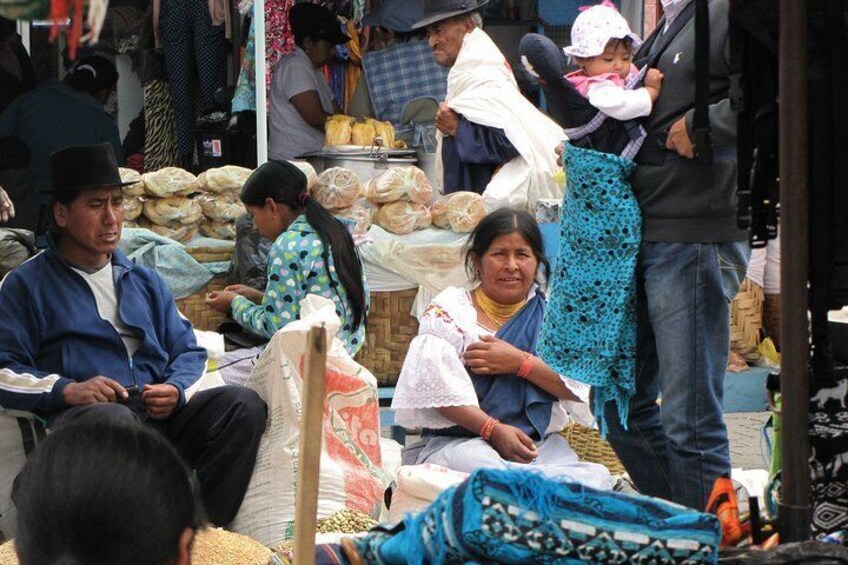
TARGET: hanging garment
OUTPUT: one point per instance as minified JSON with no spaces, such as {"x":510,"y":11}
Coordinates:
{"x":160,"y":136}
{"x":193,"y":47}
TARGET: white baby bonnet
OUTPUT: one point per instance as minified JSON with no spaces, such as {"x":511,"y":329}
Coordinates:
{"x":594,"y":28}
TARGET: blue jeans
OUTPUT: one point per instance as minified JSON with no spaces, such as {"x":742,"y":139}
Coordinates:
{"x":675,"y":450}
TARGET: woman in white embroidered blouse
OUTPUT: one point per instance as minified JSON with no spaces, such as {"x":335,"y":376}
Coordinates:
{"x":470,"y":378}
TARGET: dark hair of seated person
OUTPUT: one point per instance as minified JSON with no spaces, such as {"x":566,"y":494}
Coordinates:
{"x":284,"y":183}
{"x":97,"y":493}
{"x":502,"y":222}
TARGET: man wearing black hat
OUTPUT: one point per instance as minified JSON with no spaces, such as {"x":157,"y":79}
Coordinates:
{"x":494,"y":141}
{"x":301,"y":100}
{"x":89,"y":334}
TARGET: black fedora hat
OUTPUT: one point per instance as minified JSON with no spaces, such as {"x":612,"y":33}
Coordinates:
{"x":84,"y":167}
{"x":438,"y":10}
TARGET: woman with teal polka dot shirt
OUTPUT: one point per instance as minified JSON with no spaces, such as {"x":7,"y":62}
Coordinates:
{"x":313,"y":253}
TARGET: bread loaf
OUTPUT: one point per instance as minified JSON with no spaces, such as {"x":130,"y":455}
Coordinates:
{"x":217,"y":230}
{"x":459,"y":212}
{"x":400,"y":183}
{"x":338,"y":130}
{"x":402,"y":217}
{"x":221,"y":207}
{"x":169,"y":181}
{"x":226,"y":178}
{"x":308,"y":170}
{"x":361,"y":214}
{"x":133,"y":176}
{"x":336,"y":188}
{"x":132,"y":207}
{"x":385,"y":131}
{"x":363,"y":134}
{"x":175,"y":231}
{"x":165,"y":211}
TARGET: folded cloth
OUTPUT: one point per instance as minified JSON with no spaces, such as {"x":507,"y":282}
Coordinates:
{"x":519,"y":516}
{"x":181,"y":272}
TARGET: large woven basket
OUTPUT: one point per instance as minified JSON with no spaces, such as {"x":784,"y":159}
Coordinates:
{"x":591,"y":447}
{"x":198,"y":313}
{"x":388,"y":333}
{"x":746,"y":320}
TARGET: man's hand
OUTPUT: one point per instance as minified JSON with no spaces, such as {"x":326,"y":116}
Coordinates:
{"x":252,"y":294}
{"x":492,"y":356}
{"x":512,"y":444}
{"x":7,"y":209}
{"x":219,"y":300}
{"x":653,"y":83}
{"x":559,"y":149}
{"x":95,"y":390}
{"x":678,"y":139}
{"x":161,"y":400}
{"x":447,"y":120}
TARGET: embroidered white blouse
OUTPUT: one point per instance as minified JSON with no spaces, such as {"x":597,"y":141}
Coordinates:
{"x":433,"y":375}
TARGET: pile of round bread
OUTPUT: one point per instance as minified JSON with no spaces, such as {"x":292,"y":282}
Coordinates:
{"x":397,"y":200}
{"x":172,"y":202}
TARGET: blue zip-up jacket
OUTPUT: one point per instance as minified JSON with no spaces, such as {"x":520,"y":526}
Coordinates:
{"x":52,"y":333}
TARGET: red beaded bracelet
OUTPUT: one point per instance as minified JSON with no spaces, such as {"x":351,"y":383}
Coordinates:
{"x":526,"y":366}
{"x":487,"y":428}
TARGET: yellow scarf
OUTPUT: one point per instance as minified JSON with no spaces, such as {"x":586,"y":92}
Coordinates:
{"x":498,"y":313}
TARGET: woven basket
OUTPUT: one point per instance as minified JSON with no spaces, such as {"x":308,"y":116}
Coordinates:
{"x":388,"y":333}
{"x":746,"y":320}
{"x":590,"y":446}
{"x":201,"y":316}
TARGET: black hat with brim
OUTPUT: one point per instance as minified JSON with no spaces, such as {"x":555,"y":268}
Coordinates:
{"x":438,"y":10}
{"x":84,"y":167}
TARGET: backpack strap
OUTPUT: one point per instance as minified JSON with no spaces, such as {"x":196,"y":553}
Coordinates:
{"x":701,"y":118}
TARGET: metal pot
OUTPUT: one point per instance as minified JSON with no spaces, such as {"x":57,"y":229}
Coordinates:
{"x":364,"y":166}
{"x":427,"y":163}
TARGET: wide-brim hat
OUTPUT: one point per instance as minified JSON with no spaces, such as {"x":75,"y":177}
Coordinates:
{"x":396,"y":15}
{"x":317,"y":22}
{"x":438,"y":10}
{"x":84,"y":167}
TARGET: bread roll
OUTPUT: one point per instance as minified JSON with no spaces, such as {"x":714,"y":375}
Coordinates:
{"x":130,"y":224}
{"x":363,"y":134}
{"x":400,"y":183}
{"x":402,"y":217}
{"x":217,"y":230}
{"x":385,"y":131}
{"x":226,"y":178}
{"x":175,"y":231}
{"x":361,"y":214}
{"x":133,"y":176}
{"x":309,"y":171}
{"x":337,"y":188}
{"x":338,"y":130}
{"x":221,"y":207}
{"x":132,"y":207}
{"x":169,"y":181}
{"x":459,"y":212}
{"x":166,"y":211}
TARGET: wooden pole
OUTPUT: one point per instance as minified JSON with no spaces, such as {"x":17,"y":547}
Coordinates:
{"x":259,"y":76}
{"x":306,"y":513}
{"x":794,"y":509}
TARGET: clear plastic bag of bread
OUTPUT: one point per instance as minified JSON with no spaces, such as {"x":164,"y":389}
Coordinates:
{"x":459,"y":212}
{"x":221,"y":207}
{"x":166,"y":211}
{"x":132,"y":207}
{"x":133,"y":176}
{"x":337,"y":188}
{"x":227,"y":178}
{"x":309,"y":171}
{"x":338,"y":129}
{"x":174,"y":230}
{"x":361,"y":214}
{"x":400,"y":183}
{"x":403,"y":217}
{"x":170,"y":181}
{"x":363,"y":134}
{"x":218,"y":230}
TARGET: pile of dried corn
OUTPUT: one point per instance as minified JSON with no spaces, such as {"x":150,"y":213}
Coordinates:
{"x":215,"y":546}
